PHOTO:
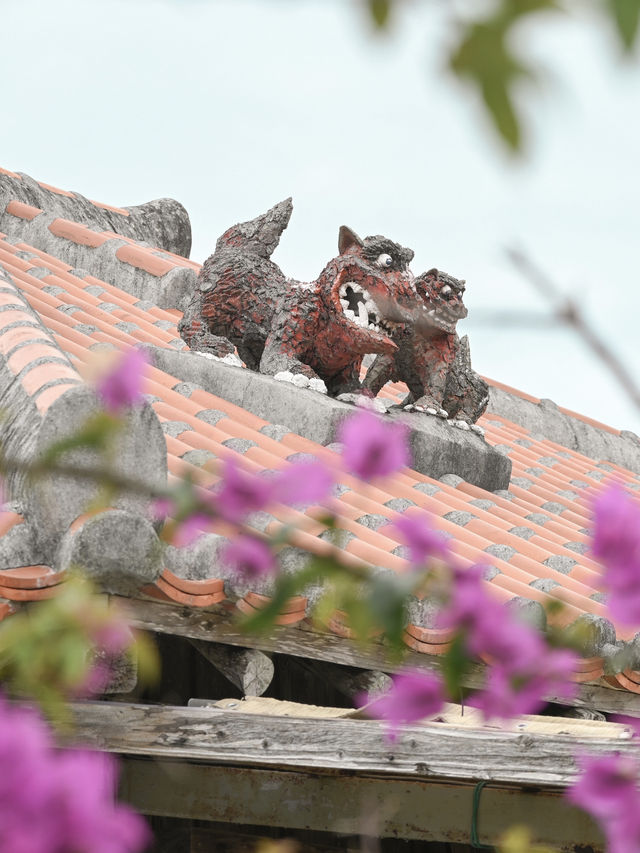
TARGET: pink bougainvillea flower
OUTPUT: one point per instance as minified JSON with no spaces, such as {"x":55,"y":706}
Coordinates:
{"x":415,"y":695}
{"x":509,"y":693}
{"x":616,"y":543}
{"x":373,"y":447}
{"x":616,"y":530}
{"x":121,"y":387}
{"x":422,"y":540}
{"x":241,"y":492}
{"x":249,"y":557}
{"x":607,"y":788}
{"x":53,"y":800}
{"x":190,"y":529}
{"x":625,"y":720}
{"x":302,"y":483}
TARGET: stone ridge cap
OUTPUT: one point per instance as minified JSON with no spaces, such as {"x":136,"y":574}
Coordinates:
{"x":544,"y":418}
{"x":162,"y":221}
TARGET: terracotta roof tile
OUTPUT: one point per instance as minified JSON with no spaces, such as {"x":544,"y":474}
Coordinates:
{"x":76,"y":233}
{"x":22,"y":210}
{"x":140,"y":257}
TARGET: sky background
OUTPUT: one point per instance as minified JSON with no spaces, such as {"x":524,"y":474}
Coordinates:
{"x":232,"y":105}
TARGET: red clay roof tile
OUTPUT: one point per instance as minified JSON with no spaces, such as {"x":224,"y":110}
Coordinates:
{"x":76,"y":233}
{"x":144,"y":259}
{"x":22,"y":210}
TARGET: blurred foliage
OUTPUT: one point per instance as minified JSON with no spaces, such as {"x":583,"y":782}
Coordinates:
{"x":50,"y":652}
{"x":517,"y":839}
{"x":483,"y":54}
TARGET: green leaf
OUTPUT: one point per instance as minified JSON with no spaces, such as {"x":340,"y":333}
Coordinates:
{"x":96,"y":434}
{"x":455,"y":664}
{"x":484,"y":57}
{"x":387,"y":604}
{"x":380,"y":12}
{"x":286,"y":586}
{"x":626,"y":15}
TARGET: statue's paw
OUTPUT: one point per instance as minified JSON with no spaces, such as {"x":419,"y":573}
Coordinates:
{"x":284,"y":376}
{"x":232,"y":359}
{"x":208,"y":355}
{"x":301,"y":381}
{"x":477,"y":429}
{"x":373,"y":404}
{"x":459,"y":424}
{"x":348,"y":397}
{"x":317,"y":384}
{"x":441,"y":413}
{"x":409,"y":408}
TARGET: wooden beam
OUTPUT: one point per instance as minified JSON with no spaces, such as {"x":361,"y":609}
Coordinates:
{"x":427,"y":751}
{"x":350,"y":804}
{"x":302,"y":641}
{"x":250,"y":670}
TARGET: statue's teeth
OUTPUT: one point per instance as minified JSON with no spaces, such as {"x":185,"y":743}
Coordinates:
{"x":363,"y":314}
{"x":348,"y":313}
{"x":344,"y":303}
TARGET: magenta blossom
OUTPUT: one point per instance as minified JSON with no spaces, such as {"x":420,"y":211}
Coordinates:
{"x":423,"y":541}
{"x":373,"y":447}
{"x":122,"y":386}
{"x":607,"y":788}
{"x":616,"y":543}
{"x":616,"y":533}
{"x":508,"y":693}
{"x":415,"y":695}
{"x":241,"y":492}
{"x":302,"y":483}
{"x":54,"y":800}
{"x":249,"y":557}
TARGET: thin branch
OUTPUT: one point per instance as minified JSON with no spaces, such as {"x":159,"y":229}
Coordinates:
{"x":569,"y":313}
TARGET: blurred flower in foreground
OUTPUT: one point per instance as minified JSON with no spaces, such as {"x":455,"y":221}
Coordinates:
{"x":607,"y":789}
{"x":373,"y":447}
{"x":414,"y":696}
{"x":522,"y":669}
{"x":59,"y":800}
{"x":422,"y":540}
{"x":249,"y":557}
{"x":302,"y":483}
{"x":64,"y":647}
{"x":616,"y":543}
{"x":190,"y":511}
{"x":121,"y":387}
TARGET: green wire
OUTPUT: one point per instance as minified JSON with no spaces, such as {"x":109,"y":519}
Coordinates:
{"x":474,"y":818}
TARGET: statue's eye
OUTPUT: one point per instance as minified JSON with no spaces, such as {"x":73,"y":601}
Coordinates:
{"x":446,"y":292}
{"x":384,"y":260}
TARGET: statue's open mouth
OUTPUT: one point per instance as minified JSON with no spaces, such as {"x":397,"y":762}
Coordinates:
{"x":443,"y":317}
{"x":359,"y":307}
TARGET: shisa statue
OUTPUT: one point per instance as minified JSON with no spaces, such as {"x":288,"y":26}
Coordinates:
{"x":365,"y":301}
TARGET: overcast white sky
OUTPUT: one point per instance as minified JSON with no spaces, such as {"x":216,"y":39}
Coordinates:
{"x":231,"y":105}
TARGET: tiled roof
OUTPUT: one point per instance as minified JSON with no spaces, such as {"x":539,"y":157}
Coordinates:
{"x":533,"y":537}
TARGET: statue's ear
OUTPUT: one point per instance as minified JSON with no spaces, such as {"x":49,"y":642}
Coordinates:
{"x":347,"y":238}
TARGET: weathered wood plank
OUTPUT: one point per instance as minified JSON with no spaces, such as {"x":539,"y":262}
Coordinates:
{"x":250,"y":670}
{"x":303,"y":642}
{"x":350,"y":804}
{"x":337,"y":745}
